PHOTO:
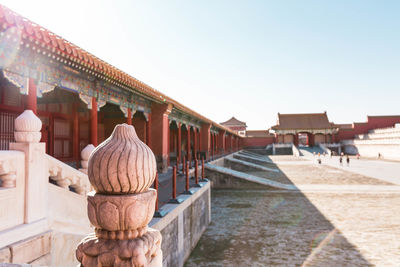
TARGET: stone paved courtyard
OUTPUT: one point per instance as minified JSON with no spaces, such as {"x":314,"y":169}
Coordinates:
{"x":330,"y":228}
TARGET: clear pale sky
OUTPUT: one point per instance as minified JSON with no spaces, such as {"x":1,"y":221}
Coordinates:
{"x":248,"y":59}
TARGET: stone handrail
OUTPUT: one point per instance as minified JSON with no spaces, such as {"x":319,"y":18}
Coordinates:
{"x":12,"y":190}
{"x":380,"y":135}
{"x":325,"y":149}
{"x":8,"y":170}
{"x":296,"y":151}
{"x":66,"y":176}
{"x":385,"y":130}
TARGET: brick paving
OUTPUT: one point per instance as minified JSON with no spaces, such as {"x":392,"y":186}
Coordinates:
{"x":333,"y":227}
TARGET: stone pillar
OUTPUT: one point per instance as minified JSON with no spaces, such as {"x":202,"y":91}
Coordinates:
{"x":85,"y":154}
{"x":123,"y":204}
{"x":27,"y":134}
{"x":93,"y":122}
{"x":159,"y":134}
{"x":32,"y":96}
{"x":205,"y":139}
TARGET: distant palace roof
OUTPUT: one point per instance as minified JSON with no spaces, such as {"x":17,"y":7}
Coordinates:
{"x":66,"y":51}
{"x":303,"y":121}
{"x":233,"y":122}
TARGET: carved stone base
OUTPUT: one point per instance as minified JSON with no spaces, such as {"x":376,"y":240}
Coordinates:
{"x":122,"y":214}
{"x":140,"y":251}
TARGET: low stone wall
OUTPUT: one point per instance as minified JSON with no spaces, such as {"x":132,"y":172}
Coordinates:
{"x":389,"y":151}
{"x":183,"y":225}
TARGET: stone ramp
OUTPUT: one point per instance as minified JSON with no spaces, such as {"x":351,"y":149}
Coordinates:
{"x":252,"y":154}
{"x":249,"y":177}
{"x":308,"y":151}
{"x":253,"y":159}
{"x":251,"y":165}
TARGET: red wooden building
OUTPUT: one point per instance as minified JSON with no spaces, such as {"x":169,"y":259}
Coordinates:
{"x":304,"y":129}
{"x":236,"y":125}
{"x":80,"y":99}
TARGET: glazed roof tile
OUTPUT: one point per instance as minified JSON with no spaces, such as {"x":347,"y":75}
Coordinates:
{"x":233,"y":122}
{"x":303,"y":121}
{"x":9,"y":18}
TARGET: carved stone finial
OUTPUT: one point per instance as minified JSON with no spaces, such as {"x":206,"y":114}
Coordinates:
{"x":27,"y":128}
{"x":85,"y":154}
{"x":121,"y":170}
{"x":122,"y":164}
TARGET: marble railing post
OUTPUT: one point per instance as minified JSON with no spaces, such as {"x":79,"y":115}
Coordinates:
{"x":27,"y":135}
{"x":121,"y":170}
{"x":85,"y":154}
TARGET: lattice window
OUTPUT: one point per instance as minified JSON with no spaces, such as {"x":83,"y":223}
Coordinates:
{"x":62,"y":139}
{"x":6,"y":129}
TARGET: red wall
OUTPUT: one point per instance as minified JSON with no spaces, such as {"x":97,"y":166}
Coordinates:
{"x":257,"y":141}
{"x":373,"y":122}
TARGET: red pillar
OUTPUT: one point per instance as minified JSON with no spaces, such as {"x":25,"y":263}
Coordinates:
{"x":222,"y":142}
{"x":32,"y":98}
{"x":205,"y":139}
{"x":148,"y":131}
{"x":129,"y":119}
{"x":195,"y":143}
{"x":75,"y":134}
{"x":188,"y":157}
{"x":159,"y":134}
{"x":93,"y":122}
{"x":296,"y":139}
{"x":311,"y":139}
{"x":179,"y":142}
{"x":199,"y":140}
{"x":168,"y":143}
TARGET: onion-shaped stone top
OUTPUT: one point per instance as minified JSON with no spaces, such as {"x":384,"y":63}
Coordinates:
{"x":122,"y":164}
{"x":28,"y":122}
{"x":85,"y":153}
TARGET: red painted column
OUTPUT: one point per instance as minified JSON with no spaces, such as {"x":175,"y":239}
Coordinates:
{"x":195,"y":143}
{"x":148,"y":131}
{"x":75,"y":134}
{"x":188,"y":157}
{"x":159,"y":134}
{"x":311,"y":139}
{"x":205,"y":138}
{"x":179,"y":142}
{"x":222,"y":142}
{"x":129,"y":119}
{"x":32,"y":98}
{"x":169,"y":143}
{"x":296,"y":139}
{"x":199,"y":140}
{"x":93,"y":122}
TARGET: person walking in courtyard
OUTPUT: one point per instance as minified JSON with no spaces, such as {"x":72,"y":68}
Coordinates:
{"x":347,"y":160}
{"x":341,"y":160}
